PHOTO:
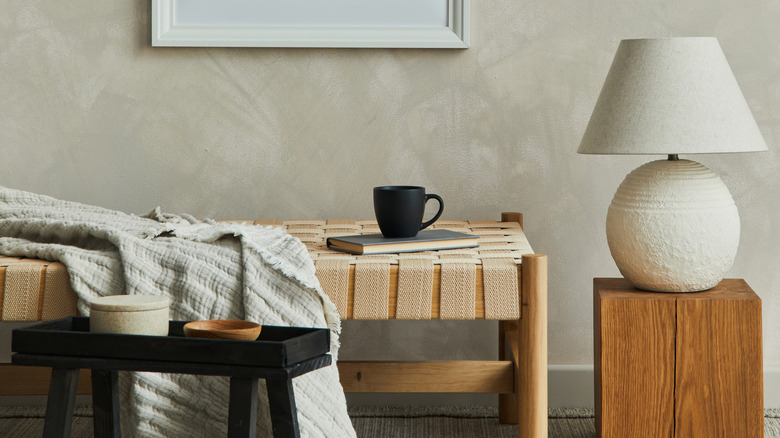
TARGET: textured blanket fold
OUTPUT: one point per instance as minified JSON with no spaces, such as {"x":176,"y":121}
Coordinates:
{"x":209,"y":271}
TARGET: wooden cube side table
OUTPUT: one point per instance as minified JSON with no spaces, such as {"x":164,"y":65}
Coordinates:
{"x":677,"y":364}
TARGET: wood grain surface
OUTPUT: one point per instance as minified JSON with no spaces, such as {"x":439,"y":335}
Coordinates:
{"x":678,"y":364}
{"x":635,"y":363}
{"x":719,"y":368}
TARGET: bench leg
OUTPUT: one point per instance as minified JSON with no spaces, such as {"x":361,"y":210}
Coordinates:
{"x":105,"y":403}
{"x":507,"y":403}
{"x":532,"y":349}
{"x":61,"y":401}
{"x":242,"y":417}
{"x":284,"y":415}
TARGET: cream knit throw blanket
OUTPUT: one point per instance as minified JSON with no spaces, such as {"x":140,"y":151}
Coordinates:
{"x":209,"y":271}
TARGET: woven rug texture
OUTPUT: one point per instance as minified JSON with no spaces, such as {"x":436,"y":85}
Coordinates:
{"x":370,"y":422}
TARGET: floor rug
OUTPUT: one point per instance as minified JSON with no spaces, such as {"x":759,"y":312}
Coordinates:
{"x":384,"y":422}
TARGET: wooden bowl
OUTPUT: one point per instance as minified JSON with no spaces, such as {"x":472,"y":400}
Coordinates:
{"x":236,"y":329}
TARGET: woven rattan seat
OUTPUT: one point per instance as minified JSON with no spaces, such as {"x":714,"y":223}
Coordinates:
{"x":477,"y":282}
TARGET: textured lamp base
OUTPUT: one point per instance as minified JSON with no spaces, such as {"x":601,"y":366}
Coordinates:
{"x":673,"y":227}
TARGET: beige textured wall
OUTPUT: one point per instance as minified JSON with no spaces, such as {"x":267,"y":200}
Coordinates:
{"x":90,"y":112}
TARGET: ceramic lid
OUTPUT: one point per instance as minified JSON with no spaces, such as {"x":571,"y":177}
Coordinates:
{"x":129,"y":303}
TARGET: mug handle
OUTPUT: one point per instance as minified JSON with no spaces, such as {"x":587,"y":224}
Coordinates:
{"x":438,"y":213}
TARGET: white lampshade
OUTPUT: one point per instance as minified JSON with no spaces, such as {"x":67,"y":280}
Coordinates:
{"x":672,"y":225}
{"x":671,"y":96}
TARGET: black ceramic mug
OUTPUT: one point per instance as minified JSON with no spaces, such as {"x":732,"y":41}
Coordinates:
{"x":399,"y":210}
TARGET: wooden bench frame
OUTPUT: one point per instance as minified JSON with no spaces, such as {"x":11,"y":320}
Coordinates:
{"x":519,"y":376}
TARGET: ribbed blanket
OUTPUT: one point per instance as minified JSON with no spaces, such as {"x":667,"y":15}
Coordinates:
{"x":208,"y":270}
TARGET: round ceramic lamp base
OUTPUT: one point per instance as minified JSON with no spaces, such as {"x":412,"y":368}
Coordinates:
{"x":673,"y":227}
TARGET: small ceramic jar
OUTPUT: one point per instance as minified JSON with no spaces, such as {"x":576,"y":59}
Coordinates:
{"x":129,"y":314}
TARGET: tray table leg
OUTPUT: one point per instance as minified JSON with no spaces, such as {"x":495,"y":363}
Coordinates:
{"x":242,"y":417}
{"x":105,"y":403}
{"x":59,"y":406}
{"x":284,"y":414}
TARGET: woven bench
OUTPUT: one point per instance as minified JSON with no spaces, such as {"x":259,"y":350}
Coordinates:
{"x":499,"y":280}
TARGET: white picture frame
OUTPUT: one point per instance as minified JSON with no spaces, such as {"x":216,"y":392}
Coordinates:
{"x":166,"y":33}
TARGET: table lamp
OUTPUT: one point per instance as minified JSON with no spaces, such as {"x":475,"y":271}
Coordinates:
{"x":672,"y":225}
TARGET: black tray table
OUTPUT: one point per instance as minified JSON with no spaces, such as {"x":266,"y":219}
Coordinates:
{"x":278,"y":355}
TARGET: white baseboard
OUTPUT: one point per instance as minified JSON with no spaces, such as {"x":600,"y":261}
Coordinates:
{"x":572,"y":386}
{"x":772,"y":387}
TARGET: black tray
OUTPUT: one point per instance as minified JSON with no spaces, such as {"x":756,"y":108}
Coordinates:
{"x":275,"y":347}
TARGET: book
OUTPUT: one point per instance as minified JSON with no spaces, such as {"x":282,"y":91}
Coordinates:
{"x":426,"y":240}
